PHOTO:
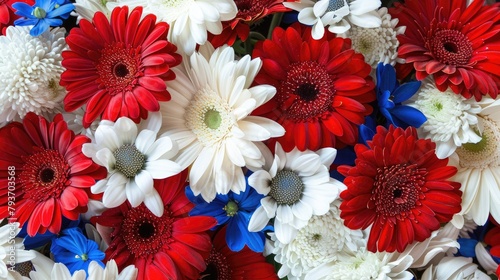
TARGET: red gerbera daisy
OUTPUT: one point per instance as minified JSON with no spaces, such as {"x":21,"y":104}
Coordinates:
{"x":456,"y":43}
{"x":224,"y":264}
{"x":172,"y":246}
{"x":249,"y":11}
{"x":118,"y":67}
{"x":323,"y":88}
{"x":52,"y":177}
{"x":400,"y":187}
{"x":7,"y":16}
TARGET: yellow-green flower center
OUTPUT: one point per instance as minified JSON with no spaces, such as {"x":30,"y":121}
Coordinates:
{"x":39,"y":12}
{"x":129,"y":160}
{"x":212,"y":119}
{"x":231,"y":208}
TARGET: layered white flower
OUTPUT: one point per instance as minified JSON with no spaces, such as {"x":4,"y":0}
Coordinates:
{"x":479,"y":167}
{"x":12,"y":251}
{"x":87,"y":8}
{"x":337,"y":15}
{"x":451,"y":118}
{"x":209,"y":118}
{"x":378,"y":44}
{"x":133,"y":156}
{"x":189,"y":20}
{"x":45,"y":268}
{"x":30,"y":70}
{"x":454,"y":268}
{"x":296,"y":186}
{"x":321,"y":241}
{"x":364,"y":264}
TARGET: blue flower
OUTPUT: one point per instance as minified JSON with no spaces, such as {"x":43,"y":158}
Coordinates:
{"x":235,"y":210}
{"x":44,"y":14}
{"x":75,"y":251}
{"x":390,"y":95}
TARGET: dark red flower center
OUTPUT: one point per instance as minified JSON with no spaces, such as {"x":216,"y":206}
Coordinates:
{"x":397,"y":189}
{"x":44,"y":175}
{"x":450,"y":47}
{"x":144,"y":233}
{"x":217,"y":267}
{"x":249,"y":9}
{"x":306,"y":92}
{"x":119,"y":68}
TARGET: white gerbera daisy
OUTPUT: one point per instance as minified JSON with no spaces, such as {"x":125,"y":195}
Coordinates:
{"x":12,"y":252}
{"x":454,"y":268}
{"x":133,"y":156}
{"x":208,"y":117}
{"x":297,"y":186}
{"x":364,"y":264}
{"x":378,"y":44}
{"x":87,"y":8}
{"x":30,"y":70}
{"x":189,"y":20}
{"x":479,"y":167}
{"x":338,"y":15}
{"x":319,"y":242}
{"x":450,"y":118}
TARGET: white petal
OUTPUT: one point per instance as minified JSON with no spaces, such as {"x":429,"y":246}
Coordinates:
{"x":159,"y":148}
{"x":144,"y":181}
{"x":162,"y":168}
{"x":306,"y":165}
{"x":327,"y":156}
{"x":134,"y":194}
{"x":154,"y":203}
{"x":99,"y":187}
{"x":302,"y":211}
{"x":114,"y":196}
{"x":106,"y":137}
{"x":258,"y":220}
{"x":270,"y":206}
{"x":144,"y":140}
{"x":260,"y":180}
{"x":126,"y":130}
{"x":284,"y":232}
{"x":105,"y":158}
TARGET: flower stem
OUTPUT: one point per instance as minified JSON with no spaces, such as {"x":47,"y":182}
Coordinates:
{"x":274,"y":22}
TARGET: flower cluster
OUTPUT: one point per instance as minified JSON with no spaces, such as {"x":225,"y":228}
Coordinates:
{"x":249,"y":139}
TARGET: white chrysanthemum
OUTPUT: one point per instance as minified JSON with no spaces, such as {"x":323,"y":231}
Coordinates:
{"x":87,"y":8}
{"x":319,"y":242}
{"x":45,"y":268}
{"x":364,"y":264}
{"x":208,"y":117}
{"x":479,"y":167}
{"x":454,"y":268}
{"x":30,"y":70}
{"x":378,"y":44}
{"x":440,"y":243}
{"x":133,"y":156}
{"x":189,"y":20}
{"x":12,"y":251}
{"x":337,"y":15}
{"x":450,"y":118}
{"x":297,"y":186}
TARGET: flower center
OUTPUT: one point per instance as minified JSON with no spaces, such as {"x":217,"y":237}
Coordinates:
{"x":209,"y":117}
{"x":39,"y":12}
{"x":44,"y":175}
{"x":24,"y":268}
{"x":249,"y":9}
{"x":334,"y":5}
{"x":307,"y":91}
{"x":129,"y":160}
{"x":83,"y":257}
{"x":397,"y":189}
{"x":451,"y":47}
{"x":486,"y":152}
{"x":286,"y":187}
{"x":231,"y":208}
{"x":144,"y":233}
{"x":119,"y":68}
{"x":217,"y":267}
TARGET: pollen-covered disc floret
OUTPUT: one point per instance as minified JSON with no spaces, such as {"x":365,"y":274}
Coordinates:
{"x":478,"y":166}
{"x":451,"y":119}
{"x":297,"y":186}
{"x":30,"y":69}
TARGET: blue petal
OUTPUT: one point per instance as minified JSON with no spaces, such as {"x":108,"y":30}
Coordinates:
{"x":235,"y":237}
{"x":194,"y":199}
{"x":406,"y":91}
{"x":40,"y":27}
{"x":365,"y":134}
{"x":252,"y":201}
{"x":409,"y":115}
{"x":467,"y":247}
{"x":23,"y":9}
{"x":62,"y":10}
{"x":386,"y":78}
{"x":254,"y":240}
{"x":387,"y":114}
{"x":25,"y":22}
{"x":44,"y":4}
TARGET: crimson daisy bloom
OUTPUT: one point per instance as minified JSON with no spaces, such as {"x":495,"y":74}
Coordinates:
{"x":7,"y":16}
{"x":52,"y":176}
{"x":118,"y":67}
{"x":224,"y":264}
{"x":323,"y":88}
{"x":173,"y":246}
{"x":455,"y":43}
{"x":400,"y":188}
{"x":249,"y":11}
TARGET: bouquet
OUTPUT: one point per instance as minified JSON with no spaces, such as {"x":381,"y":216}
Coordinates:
{"x":249,"y":139}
